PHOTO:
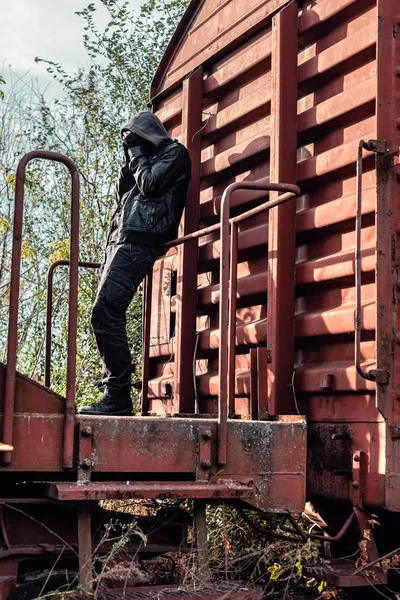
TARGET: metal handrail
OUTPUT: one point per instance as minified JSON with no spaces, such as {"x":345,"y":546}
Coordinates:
{"x":227,"y":302}
{"x":377,"y":375}
{"x":49,"y":310}
{"x":227,"y":306}
{"x":9,"y":399}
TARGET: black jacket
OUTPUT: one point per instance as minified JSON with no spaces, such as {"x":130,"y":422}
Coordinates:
{"x":152,"y":186}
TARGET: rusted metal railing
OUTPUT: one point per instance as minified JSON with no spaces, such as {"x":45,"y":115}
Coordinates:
{"x":227,"y":303}
{"x":14,"y":301}
{"x":378,"y":375}
{"x":49,"y":311}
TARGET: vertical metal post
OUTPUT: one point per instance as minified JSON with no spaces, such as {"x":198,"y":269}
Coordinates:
{"x":262,"y":383}
{"x":14,"y":303}
{"x":146,"y":343}
{"x":203,"y":559}
{"x":387,"y":213}
{"x":224,"y":335}
{"x":69,"y":421}
{"x":186,"y":295}
{"x":85,"y":547}
{"x":253,"y":384}
{"x":232,"y":318}
{"x":281,"y":232}
{"x":49,"y":311}
{"x":49,"y":314}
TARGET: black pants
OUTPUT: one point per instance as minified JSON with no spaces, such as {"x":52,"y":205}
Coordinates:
{"x":124,"y":268}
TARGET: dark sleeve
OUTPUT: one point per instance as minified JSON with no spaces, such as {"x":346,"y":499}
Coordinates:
{"x":153,"y":179}
{"x":125,"y":182}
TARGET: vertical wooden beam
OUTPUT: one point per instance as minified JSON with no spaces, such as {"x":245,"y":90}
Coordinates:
{"x":281,"y":235}
{"x":186,"y":296}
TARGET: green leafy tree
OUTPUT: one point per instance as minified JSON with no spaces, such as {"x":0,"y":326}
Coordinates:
{"x":83,"y":123}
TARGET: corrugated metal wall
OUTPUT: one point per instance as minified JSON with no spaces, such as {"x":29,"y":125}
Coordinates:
{"x":337,"y":106}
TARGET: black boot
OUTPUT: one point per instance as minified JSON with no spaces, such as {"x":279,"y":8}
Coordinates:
{"x":108,"y":405}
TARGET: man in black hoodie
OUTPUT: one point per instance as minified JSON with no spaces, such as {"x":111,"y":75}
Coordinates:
{"x":150,"y":194}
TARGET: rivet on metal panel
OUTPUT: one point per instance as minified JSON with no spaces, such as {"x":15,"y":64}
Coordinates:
{"x":204,"y":454}
{"x":85,"y":461}
{"x":359,"y":470}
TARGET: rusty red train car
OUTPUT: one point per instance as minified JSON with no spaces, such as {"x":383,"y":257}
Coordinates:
{"x":271,"y":323}
{"x":303,"y":93}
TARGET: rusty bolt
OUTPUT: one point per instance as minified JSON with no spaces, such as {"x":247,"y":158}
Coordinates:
{"x":207,"y":434}
{"x":355,"y":483}
{"x":356,"y":458}
{"x":86,"y":431}
{"x":86,"y":463}
{"x":206,"y":464}
{"x":372,"y":145}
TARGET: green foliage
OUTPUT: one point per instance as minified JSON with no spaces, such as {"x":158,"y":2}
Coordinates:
{"x":84,"y":124}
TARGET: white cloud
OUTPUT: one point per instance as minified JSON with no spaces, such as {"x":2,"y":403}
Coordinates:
{"x":46,"y":28}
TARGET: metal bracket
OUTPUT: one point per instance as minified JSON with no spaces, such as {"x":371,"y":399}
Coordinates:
{"x":379,"y":376}
{"x":379,"y":146}
{"x":388,"y":159}
{"x":85,"y":459}
{"x":204,"y":454}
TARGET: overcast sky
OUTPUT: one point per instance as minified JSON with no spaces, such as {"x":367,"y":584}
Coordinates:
{"x":46,"y":28}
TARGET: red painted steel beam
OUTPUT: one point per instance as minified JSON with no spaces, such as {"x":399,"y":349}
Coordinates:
{"x":387,"y":211}
{"x":281,"y":231}
{"x":186,"y":303}
{"x":14,"y":302}
{"x":161,"y":490}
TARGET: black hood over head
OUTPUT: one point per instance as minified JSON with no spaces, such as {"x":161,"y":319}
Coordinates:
{"x":148,"y":127}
